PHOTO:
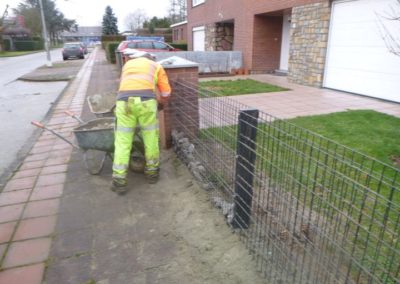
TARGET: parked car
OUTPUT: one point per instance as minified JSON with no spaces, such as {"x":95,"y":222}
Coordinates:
{"x":85,"y":48}
{"x":146,"y":45}
{"x":73,"y":49}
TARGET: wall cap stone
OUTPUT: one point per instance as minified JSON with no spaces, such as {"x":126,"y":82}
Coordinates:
{"x":177,"y":62}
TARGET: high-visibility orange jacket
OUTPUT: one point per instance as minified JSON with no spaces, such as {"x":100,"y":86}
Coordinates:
{"x":143,"y":77}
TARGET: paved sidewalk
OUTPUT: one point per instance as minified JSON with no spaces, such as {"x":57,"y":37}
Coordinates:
{"x":30,"y":200}
{"x":304,"y":101}
{"x":58,"y":224}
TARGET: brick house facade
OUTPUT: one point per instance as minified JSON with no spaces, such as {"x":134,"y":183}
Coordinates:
{"x":179,"y":32}
{"x":288,"y":35}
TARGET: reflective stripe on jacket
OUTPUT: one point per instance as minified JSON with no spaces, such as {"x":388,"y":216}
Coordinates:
{"x":144,"y":74}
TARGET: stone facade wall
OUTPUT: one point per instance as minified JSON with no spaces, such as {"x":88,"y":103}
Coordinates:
{"x":308,"y":43}
{"x":224,"y":36}
{"x":210,"y":39}
{"x":219,"y":37}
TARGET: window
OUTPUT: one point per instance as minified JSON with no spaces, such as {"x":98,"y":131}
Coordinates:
{"x":145,"y":45}
{"x":160,"y":45}
{"x":132,"y":45}
{"x":197,"y":2}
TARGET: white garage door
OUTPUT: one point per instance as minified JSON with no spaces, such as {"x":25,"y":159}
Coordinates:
{"x":198,"y":39}
{"x":358,"y":59}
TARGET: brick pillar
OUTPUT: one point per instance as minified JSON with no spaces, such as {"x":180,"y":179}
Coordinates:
{"x":183,"y":105}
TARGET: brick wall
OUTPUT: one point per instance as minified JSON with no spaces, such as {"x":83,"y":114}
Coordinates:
{"x":179,"y":33}
{"x":267,"y":37}
{"x":187,"y":101}
{"x":308,"y":43}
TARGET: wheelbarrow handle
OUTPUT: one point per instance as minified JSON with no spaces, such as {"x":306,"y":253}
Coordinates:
{"x":37,"y":124}
{"x":71,"y":114}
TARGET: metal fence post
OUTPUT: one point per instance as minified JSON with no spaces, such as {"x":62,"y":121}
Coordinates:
{"x":245,"y":159}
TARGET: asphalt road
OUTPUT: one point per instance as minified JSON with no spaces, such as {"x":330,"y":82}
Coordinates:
{"x":20,"y":103}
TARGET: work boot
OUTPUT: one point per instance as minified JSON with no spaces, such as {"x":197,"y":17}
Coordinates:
{"x":152,"y":176}
{"x":119,"y":185}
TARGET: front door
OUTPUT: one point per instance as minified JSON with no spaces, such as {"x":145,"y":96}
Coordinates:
{"x":285,"y":45}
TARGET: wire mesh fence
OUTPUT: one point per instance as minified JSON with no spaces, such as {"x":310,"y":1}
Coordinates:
{"x":309,"y":209}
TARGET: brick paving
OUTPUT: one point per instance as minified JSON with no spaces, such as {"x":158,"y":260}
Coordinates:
{"x":30,"y":200}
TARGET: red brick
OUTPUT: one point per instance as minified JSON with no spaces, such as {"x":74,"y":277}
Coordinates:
{"x":35,"y":227}
{"x":56,"y":161}
{"x":59,"y":154}
{"x":32,"y":165}
{"x":45,"y":180}
{"x":31,"y":274}
{"x":6,"y":231}
{"x":54,"y":169}
{"x":20,"y":183}
{"x":47,"y":139}
{"x":27,"y":173}
{"x":14,"y":197}
{"x":42,"y":149}
{"x":37,"y":157}
{"x":2,"y":251}
{"x":47,"y":142}
{"x":41,"y":208}
{"x":10,"y":213}
{"x":27,"y":252}
{"x":56,"y":121}
{"x":63,"y":146}
{"x":47,"y":192}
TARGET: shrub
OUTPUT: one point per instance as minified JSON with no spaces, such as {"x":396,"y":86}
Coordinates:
{"x":110,"y":51}
{"x":105,"y":39}
{"x":182,"y":46}
{"x":7,"y":45}
{"x":26,"y":45}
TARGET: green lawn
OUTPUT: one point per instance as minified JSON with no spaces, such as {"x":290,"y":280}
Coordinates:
{"x":372,"y":133}
{"x":238,"y":87}
{"x":16,"y":53}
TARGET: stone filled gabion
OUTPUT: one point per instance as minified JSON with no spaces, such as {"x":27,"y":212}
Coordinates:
{"x":185,"y":152}
{"x":184,"y":149}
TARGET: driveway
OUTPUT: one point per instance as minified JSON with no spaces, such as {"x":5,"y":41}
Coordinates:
{"x":304,"y":101}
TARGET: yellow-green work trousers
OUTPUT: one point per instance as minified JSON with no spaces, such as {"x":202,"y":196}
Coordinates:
{"x":128,"y":115}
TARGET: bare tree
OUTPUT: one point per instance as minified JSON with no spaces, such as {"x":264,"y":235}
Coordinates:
{"x":135,"y":20}
{"x":391,"y":36}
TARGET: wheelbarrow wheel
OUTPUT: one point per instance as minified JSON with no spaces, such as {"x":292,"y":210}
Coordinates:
{"x":94,"y":161}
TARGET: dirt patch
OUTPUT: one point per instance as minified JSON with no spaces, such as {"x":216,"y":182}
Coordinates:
{"x":209,"y":251}
{"x":396,"y":160}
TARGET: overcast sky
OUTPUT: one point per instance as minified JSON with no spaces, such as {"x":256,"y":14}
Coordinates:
{"x":90,"y":12}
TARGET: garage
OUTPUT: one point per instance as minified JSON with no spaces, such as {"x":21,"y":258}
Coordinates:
{"x":198,"y":39}
{"x":358,"y":58}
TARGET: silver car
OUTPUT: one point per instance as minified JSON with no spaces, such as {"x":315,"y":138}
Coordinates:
{"x":73,"y":49}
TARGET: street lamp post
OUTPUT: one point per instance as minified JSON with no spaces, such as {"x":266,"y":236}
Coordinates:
{"x":46,"y":40}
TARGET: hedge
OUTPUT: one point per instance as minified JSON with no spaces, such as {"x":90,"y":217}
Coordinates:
{"x":182,"y":46}
{"x":110,"y":51}
{"x":27,"y":45}
{"x":7,"y":44}
{"x":105,"y":39}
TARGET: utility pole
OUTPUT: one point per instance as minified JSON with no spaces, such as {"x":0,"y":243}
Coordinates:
{"x":46,"y":41}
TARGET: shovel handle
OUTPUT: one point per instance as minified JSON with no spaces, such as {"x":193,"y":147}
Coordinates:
{"x":71,"y":114}
{"x":37,"y":124}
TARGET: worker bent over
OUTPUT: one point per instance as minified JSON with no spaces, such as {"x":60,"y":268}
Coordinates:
{"x":144,"y":84}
